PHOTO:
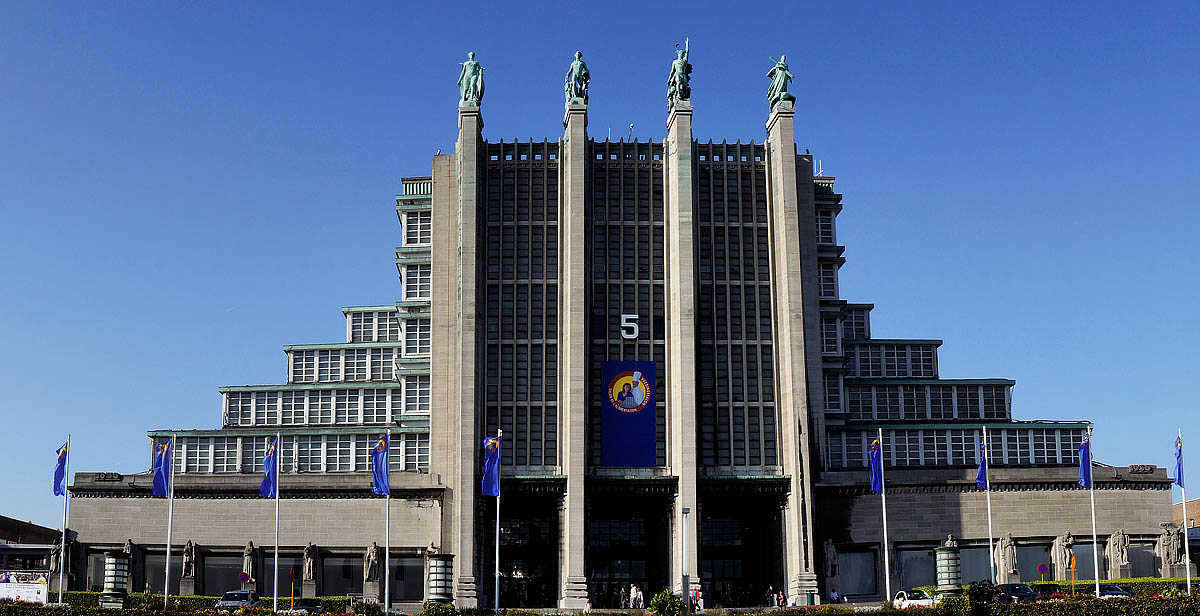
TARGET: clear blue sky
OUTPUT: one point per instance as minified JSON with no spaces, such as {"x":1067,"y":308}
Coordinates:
{"x":187,"y":187}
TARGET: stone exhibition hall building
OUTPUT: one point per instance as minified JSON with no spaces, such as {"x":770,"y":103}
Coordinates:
{"x":657,"y":328}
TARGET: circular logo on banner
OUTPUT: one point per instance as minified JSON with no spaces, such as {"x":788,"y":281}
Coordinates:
{"x":629,"y":392}
{"x":491,"y":444}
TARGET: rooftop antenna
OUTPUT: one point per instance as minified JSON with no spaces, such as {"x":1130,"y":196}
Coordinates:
{"x":630,"y":137}
{"x":820,"y":167}
{"x":610,"y":132}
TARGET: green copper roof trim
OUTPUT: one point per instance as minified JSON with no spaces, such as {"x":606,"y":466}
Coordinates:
{"x":232,"y":431}
{"x":414,"y":260}
{"x":389,"y":308}
{"x":419,"y":248}
{"x":344,"y":345}
{"x":860,"y":341}
{"x":906,"y":381}
{"x":964,"y":424}
{"x":405,"y":303}
{"x":414,"y":207}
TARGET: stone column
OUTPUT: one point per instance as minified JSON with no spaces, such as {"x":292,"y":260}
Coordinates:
{"x":678,"y":156}
{"x":572,"y":351}
{"x":456,"y":201}
{"x":797,"y":325}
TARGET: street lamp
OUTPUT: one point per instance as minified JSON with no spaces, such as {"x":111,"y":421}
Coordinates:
{"x":687,"y":590}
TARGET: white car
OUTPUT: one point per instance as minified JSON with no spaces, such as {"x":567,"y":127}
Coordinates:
{"x":906,"y":599}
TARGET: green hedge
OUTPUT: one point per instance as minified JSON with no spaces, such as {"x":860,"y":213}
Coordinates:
{"x":153,"y":601}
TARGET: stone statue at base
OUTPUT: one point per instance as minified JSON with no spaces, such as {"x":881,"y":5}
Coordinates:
{"x":1006,"y":560}
{"x":371,"y":563}
{"x":575,"y":87}
{"x":248,"y":560}
{"x":1060,"y":555}
{"x":189,"y":560}
{"x":310,"y":562}
{"x":470,"y":82}
{"x":831,"y":559}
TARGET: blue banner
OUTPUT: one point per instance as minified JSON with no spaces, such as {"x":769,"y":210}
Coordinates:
{"x":628,"y":413}
{"x":1085,"y":462}
{"x":162,"y":468}
{"x":60,"y":472}
{"x":491,"y":466}
{"x":1179,"y":461}
{"x":270,"y":482}
{"x":380,"y":459}
{"x":875,"y":457}
{"x":981,"y":478}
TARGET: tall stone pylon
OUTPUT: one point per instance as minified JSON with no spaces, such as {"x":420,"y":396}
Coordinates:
{"x":797,"y":338}
{"x":679,"y":159}
{"x":573,"y":352}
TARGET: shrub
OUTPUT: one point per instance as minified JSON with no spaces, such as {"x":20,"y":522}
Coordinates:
{"x":433,"y":608}
{"x":666,"y":603}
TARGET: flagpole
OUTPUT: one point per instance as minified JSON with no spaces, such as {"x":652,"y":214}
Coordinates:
{"x":387,"y":532}
{"x":987,"y":478}
{"x":500,"y":440}
{"x":1092,"y":494}
{"x":62,"y":553}
{"x":1187,"y":551}
{"x":170,"y":524}
{"x":275,"y":455}
{"x":887,"y":577}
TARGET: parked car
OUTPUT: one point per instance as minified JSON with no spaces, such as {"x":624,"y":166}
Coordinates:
{"x":309,"y":606}
{"x":912,"y":598}
{"x":1018,"y":593}
{"x":1047,"y":591}
{"x":239,"y":598}
{"x":1112,"y":591}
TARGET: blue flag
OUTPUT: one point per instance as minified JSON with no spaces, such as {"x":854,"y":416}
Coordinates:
{"x":491,"y":466}
{"x":1085,"y":462}
{"x":162,"y":468}
{"x":876,"y":458}
{"x":981,"y":478}
{"x":380,"y":455}
{"x":60,"y":472}
{"x":270,"y":482}
{"x":1179,"y":461}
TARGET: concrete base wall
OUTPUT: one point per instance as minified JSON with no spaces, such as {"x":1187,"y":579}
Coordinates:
{"x":351,"y":522}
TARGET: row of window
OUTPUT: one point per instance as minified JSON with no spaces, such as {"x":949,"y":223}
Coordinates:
{"x":520,"y":193}
{"x":877,"y":360}
{"x":374,"y":326}
{"x":417,"y":228}
{"x":521,"y":311}
{"x":827,"y":273}
{"x":734,"y":312}
{"x":623,"y":193}
{"x":520,"y":252}
{"x":919,"y":402}
{"x":741,"y":435}
{"x":733,"y":253}
{"x":328,"y":406}
{"x":369,"y":364}
{"x":856,"y":323}
{"x":826,"y":230}
{"x":949,"y":447}
{"x":315,"y":453}
{"x":417,"y":281}
{"x":519,"y":372}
